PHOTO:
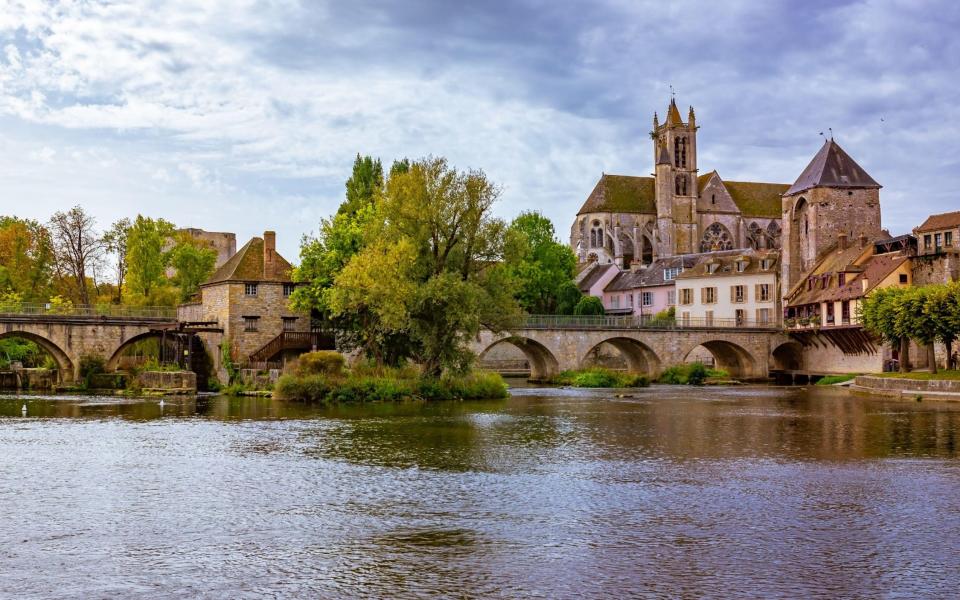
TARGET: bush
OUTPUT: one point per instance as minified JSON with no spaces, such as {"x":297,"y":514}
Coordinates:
{"x":588,"y":306}
{"x":322,"y":362}
{"x":361,"y":387}
{"x":600,"y":378}
{"x":832,"y":379}
{"x":688,"y":374}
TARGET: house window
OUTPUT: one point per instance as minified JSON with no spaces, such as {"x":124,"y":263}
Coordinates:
{"x":288,"y":289}
{"x":647,"y":298}
{"x":763,"y":316}
{"x":938,"y":240}
{"x":616,"y":301}
{"x":842,"y":279}
{"x":903,"y":278}
{"x":708,"y":319}
{"x":948,"y":239}
{"x":712,"y":268}
{"x":926,"y":241}
{"x":249,"y":289}
{"x":763,"y":292}
{"x":830,"y":311}
{"x":289,"y":323}
{"x":251,"y":323}
{"x":741,"y":316}
{"x":765,"y":264}
{"x":671,"y":273}
{"x":741,"y":266}
{"x":738,"y":293}
{"x":671,"y":298}
{"x":686,"y":296}
{"x":845,"y":312}
{"x":709,"y":295}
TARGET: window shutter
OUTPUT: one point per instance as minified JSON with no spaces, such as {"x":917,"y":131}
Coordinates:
{"x":733,"y":293}
{"x":703,"y":295}
{"x":757,"y":296}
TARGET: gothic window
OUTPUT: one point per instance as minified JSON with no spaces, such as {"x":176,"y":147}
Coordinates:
{"x":755,"y":236}
{"x":716,"y":237}
{"x":596,"y":235}
{"x":680,"y":152}
{"x":681,"y":185}
{"x":773,"y":235}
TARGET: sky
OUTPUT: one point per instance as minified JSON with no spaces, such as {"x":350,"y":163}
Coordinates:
{"x":246,"y":115}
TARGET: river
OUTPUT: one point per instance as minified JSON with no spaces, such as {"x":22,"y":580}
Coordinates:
{"x":666,"y":492}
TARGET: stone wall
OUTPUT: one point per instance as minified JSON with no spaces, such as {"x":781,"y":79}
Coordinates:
{"x":898,"y":386}
{"x":174,"y":381}
{"x":936,"y":268}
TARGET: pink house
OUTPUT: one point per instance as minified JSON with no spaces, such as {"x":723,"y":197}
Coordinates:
{"x":594,"y":277}
{"x":645,"y":291}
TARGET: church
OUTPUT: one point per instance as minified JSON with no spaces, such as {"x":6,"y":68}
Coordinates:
{"x":632,"y":221}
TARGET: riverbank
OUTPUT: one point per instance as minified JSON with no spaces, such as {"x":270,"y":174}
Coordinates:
{"x":903,"y":386}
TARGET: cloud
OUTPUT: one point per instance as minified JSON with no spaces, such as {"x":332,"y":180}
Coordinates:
{"x":226,"y":113}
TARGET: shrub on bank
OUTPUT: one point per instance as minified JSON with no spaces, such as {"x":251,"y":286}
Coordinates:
{"x":834,"y":379}
{"x":695,"y":373}
{"x":389,"y":386}
{"x":600,"y":378}
{"x":321,"y":362}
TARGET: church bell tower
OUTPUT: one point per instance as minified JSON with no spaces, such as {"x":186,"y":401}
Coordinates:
{"x":675,"y":157}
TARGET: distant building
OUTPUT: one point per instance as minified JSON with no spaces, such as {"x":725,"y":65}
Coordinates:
{"x":224,"y":243}
{"x":628,"y":219}
{"x":730,"y":289}
{"x":938,"y":249}
{"x":647,"y":290}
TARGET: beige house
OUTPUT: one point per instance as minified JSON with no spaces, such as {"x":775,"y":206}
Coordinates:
{"x":939,"y":233}
{"x":248,"y":298}
{"x":730,"y":289}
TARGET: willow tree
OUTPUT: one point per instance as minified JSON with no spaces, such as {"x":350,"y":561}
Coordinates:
{"x":430,"y":269}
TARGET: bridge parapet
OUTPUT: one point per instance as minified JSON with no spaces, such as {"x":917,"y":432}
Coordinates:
{"x":600,"y":322}
{"x":48,"y":310}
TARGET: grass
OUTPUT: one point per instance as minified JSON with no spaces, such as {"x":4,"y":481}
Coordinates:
{"x":924,"y":376}
{"x":832,"y":379}
{"x":388,"y":385}
{"x":690,"y":374}
{"x":600,"y":378}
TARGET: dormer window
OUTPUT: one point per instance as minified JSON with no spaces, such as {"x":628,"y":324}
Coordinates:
{"x":842,"y":279}
{"x":741,"y":266}
{"x":765,"y":264}
{"x":712,"y":268}
{"x":669,"y":274}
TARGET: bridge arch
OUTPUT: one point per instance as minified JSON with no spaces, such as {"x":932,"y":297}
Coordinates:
{"x":543,"y":363}
{"x":729,"y":356}
{"x":114,"y":360}
{"x":64,"y":363}
{"x":788,"y":356}
{"x":639,"y":356}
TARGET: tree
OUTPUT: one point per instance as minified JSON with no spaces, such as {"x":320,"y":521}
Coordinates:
{"x":539,"y":262}
{"x":568,"y":296}
{"x":194,"y":261}
{"x":429,"y":270}
{"x":913,"y":321}
{"x":589,"y":306}
{"x":146,"y":259}
{"x":364,"y":182}
{"x":77,"y":247}
{"x":26,"y":258}
{"x":115,"y":242}
{"x":943,"y":310}
{"x":878,"y":315}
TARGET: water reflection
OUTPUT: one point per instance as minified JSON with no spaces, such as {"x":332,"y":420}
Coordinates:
{"x":759,"y":492}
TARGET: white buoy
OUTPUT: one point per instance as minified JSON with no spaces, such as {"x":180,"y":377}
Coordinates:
{"x":24,"y":409}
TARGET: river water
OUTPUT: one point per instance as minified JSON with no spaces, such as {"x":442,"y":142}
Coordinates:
{"x":667,"y":492}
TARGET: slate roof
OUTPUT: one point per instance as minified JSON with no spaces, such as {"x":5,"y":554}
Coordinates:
{"x":651,"y":275}
{"x":833,"y":168}
{"x":727,"y":260}
{"x":939,"y":222}
{"x":248,"y":265}
{"x":826,"y":286}
{"x":756,"y":199}
{"x":593,"y":276}
{"x":622,"y":193}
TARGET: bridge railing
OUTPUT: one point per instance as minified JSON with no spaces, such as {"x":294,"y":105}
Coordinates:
{"x":99,"y":310}
{"x":636,"y":322}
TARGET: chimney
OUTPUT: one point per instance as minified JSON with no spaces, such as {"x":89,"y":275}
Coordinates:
{"x":842,"y":240}
{"x":269,"y":252}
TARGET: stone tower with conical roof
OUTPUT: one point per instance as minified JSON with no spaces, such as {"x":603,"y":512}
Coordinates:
{"x":834,"y":201}
{"x":675,"y":157}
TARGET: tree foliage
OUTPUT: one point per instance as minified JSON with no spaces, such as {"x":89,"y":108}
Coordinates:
{"x":26,"y":258}
{"x":78,"y":248}
{"x":193,"y":261}
{"x":589,"y":306}
{"x":115,"y":243}
{"x":146,"y":256}
{"x":541,"y":265}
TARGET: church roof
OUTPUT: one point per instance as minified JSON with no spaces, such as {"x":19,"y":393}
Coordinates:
{"x":673,"y":114}
{"x":833,"y":168}
{"x":621,"y":193}
{"x":755,"y":199}
{"x":248,"y":264}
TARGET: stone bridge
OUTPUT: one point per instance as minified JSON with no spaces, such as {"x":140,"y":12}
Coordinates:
{"x":744,"y":353}
{"x":69,"y":337}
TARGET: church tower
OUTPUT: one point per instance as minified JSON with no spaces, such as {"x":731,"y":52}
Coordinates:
{"x":675,"y":156}
{"x":833,"y":200}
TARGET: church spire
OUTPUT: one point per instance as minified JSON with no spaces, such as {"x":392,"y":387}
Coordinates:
{"x":656,"y":121}
{"x":673,"y":114}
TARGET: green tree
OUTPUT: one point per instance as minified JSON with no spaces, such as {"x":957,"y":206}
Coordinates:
{"x":115,"y":241}
{"x":194,"y":261}
{"x":365,"y":181}
{"x":589,"y":306}
{"x":146,"y":258}
{"x":942,"y":309}
{"x":568,"y":296}
{"x":878,"y":313}
{"x":26,"y":258}
{"x":914,"y":322}
{"x":430,"y":269}
{"x":540,"y":263}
